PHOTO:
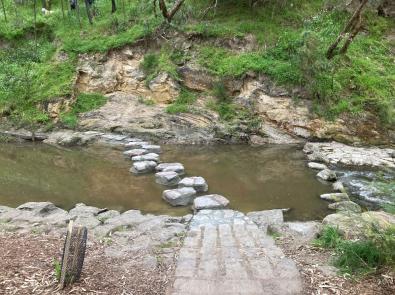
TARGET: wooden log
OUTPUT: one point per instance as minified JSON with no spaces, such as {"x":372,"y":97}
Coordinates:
{"x":73,"y":254}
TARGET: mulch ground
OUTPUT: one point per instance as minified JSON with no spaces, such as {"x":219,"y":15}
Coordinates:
{"x":27,"y":267}
{"x":319,"y":278}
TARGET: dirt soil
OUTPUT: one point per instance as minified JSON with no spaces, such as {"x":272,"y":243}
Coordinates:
{"x":27,"y":267}
{"x":320,"y":278}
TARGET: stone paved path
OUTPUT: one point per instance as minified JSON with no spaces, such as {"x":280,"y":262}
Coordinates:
{"x":224,"y":252}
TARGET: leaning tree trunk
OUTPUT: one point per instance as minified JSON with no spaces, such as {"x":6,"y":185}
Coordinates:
{"x":168,"y":15}
{"x":88,"y":11}
{"x":4,"y":12}
{"x":352,"y":28}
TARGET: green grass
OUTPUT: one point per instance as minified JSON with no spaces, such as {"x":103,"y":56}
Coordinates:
{"x":160,"y":62}
{"x":85,"y":102}
{"x":362,"y":256}
{"x":183,"y":102}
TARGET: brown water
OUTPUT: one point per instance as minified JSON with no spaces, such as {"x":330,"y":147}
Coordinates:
{"x":251,"y":178}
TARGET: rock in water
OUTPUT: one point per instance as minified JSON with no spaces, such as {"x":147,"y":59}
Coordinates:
{"x":152,"y":148}
{"x":146,"y":157}
{"x":338,"y":186}
{"x":143,"y":167}
{"x":135,"y":152}
{"x":335,"y":197}
{"x":327,"y":175}
{"x":197,"y":182}
{"x":318,"y":166}
{"x":176,"y":167}
{"x":180,"y":196}
{"x":135,"y":144}
{"x":210,"y":202}
{"x":345,"y":206}
{"x":167,"y":178}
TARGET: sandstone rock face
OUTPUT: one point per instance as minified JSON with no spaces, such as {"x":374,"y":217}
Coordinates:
{"x":197,"y":182}
{"x":175,"y":167}
{"x":335,"y":197}
{"x":338,"y":153}
{"x":169,"y":178}
{"x":210,"y":202}
{"x":327,"y":175}
{"x":143,"y":167}
{"x":118,"y":71}
{"x":180,"y":196}
{"x":355,"y":225}
{"x":345,"y":206}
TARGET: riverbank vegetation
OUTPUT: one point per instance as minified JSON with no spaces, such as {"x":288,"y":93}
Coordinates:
{"x":360,"y":257}
{"x":288,"y":41}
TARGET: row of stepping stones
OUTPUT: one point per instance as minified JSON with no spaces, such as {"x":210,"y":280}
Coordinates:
{"x":146,"y":159}
{"x":340,"y":199}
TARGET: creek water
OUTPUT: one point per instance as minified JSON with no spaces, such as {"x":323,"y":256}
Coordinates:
{"x":252,"y":178}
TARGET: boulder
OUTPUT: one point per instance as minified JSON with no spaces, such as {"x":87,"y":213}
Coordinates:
{"x":318,"y":166}
{"x":176,"y":167}
{"x":210,"y":202}
{"x":180,"y":196}
{"x":151,"y":148}
{"x":135,"y":144}
{"x":359,"y":225}
{"x":146,"y":157}
{"x":327,"y":175}
{"x":197,"y":182}
{"x":335,"y":197}
{"x":167,"y":178}
{"x":345,"y":206}
{"x":143,"y":167}
{"x":267,"y":218}
{"x":135,"y":152}
{"x":338,"y":186}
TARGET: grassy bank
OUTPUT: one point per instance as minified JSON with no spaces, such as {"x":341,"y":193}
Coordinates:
{"x":39,"y":58}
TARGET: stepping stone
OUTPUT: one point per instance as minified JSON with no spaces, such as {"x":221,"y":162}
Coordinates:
{"x":210,"y":202}
{"x":143,"y":167}
{"x":133,"y":139}
{"x":152,"y":148}
{"x":176,"y":167}
{"x":135,"y":152}
{"x":197,"y":182}
{"x":167,"y":178}
{"x":135,"y":144}
{"x":327,"y":175}
{"x":146,"y":157}
{"x":179,"y":196}
{"x":318,"y":166}
{"x":349,"y":206}
{"x":335,"y":197}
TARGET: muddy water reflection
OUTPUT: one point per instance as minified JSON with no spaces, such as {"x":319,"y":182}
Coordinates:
{"x":252,"y":178}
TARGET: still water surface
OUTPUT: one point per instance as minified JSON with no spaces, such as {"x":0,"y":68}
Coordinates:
{"x":251,"y":178}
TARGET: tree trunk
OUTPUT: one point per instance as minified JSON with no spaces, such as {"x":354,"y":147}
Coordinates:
{"x":351,"y":25}
{"x":61,"y":2}
{"x":168,"y":15}
{"x":77,"y":6}
{"x":113,"y":6}
{"x":88,"y":11}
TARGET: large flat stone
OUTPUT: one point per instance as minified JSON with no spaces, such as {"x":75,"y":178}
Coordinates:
{"x":176,"y":167}
{"x":135,"y":152}
{"x":143,"y":167}
{"x":169,"y":178}
{"x":197,"y":182}
{"x":210,"y":202}
{"x":146,"y":157}
{"x":180,"y":196}
{"x":151,"y":148}
{"x":345,"y":206}
{"x":318,"y":166}
{"x":135,"y":144}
